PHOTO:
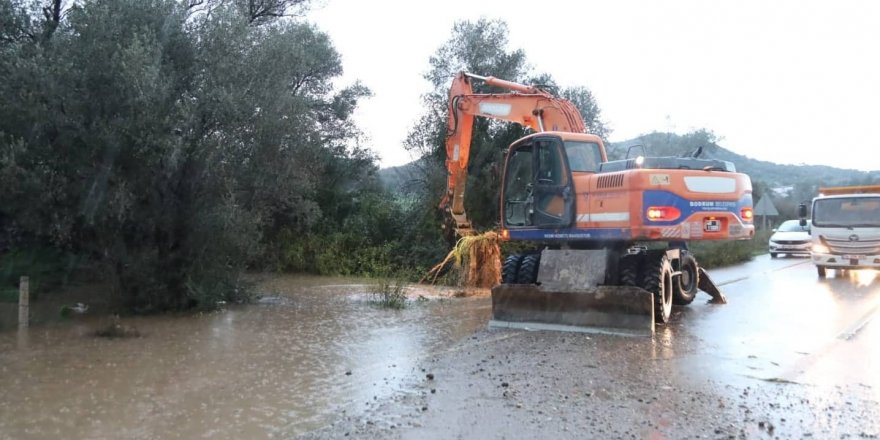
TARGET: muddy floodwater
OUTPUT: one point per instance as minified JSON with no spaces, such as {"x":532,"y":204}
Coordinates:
{"x":299,"y":358}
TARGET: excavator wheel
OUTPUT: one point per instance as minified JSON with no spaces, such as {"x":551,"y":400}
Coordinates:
{"x":628,"y":270}
{"x":657,"y":279}
{"x":528,"y":269}
{"x":685,"y":290}
{"x":510,"y":268}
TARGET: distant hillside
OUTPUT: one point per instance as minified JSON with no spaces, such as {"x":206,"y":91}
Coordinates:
{"x":770,"y":174}
{"x":400,"y":178}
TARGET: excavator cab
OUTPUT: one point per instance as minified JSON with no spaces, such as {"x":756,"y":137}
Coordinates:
{"x":539,"y":178}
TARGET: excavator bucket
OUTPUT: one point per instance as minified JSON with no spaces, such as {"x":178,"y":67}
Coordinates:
{"x":568,"y":297}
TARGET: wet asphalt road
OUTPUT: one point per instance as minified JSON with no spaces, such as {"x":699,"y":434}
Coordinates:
{"x":784,"y":323}
{"x":790,"y":356}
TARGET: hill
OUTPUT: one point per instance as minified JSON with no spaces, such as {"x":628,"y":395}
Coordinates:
{"x":769,"y":173}
{"x":764,"y":173}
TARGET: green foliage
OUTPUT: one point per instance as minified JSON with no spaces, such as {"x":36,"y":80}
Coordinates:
{"x":172,"y":142}
{"x":389,"y":293}
{"x":46,"y":268}
{"x":712,"y":254}
{"x":583,"y":100}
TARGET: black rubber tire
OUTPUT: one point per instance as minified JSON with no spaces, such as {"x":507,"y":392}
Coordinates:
{"x":773,"y":254}
{"x":510,"y":268}
{"x":657,"y":279}
{"x":685,"y":290}
{"x":528,"y":269}
{"x":628,"y":270}
{"x":821,"y":271}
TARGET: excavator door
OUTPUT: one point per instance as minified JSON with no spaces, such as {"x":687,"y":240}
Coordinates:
{"x":538,"y":190}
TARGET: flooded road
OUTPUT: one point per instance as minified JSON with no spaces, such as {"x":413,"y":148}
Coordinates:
{"x":790,"y":356}
{"x":311,"y":349}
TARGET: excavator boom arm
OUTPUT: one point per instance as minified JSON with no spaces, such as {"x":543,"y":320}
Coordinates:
{"x":525,"y":105}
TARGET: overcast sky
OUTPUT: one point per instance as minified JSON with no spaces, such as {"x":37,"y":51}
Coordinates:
{"x":784,"y":81}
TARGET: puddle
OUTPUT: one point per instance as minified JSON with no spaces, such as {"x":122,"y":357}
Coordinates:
{"x":292,"y":362}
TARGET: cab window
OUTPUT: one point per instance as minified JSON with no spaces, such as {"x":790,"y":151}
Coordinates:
{"x":583,"y":156}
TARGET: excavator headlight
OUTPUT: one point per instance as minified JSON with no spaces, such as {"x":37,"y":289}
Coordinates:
{"x":663,"y":213}
{"x":746,"y":214}
{"x":505,"y":234}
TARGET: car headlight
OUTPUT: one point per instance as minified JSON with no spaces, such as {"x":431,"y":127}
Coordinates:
{"x":820,"y":248}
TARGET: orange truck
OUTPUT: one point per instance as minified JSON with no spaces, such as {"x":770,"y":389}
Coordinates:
{"x":610,"y":236}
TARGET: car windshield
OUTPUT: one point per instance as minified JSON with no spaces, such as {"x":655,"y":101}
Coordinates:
{"x":794,"y":226}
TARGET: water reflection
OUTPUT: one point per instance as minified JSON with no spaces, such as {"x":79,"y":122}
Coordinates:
{"x":283,"y":366}
{"x":863,"y":277}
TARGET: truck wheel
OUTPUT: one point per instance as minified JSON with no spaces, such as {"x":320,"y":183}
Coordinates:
{"x":821,"y":271}
{"x":685,"y":290}
{"x":657,"y":279}
{"x":773,"y":254}
{"x":628,"y":269}
{"x":510,"y":268}
{"x":528,"y":269}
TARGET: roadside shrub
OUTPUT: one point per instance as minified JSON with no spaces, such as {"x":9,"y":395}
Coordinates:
{"x":727,"y":253}
{"x":46,"y":267}
{"x":389,"y":293}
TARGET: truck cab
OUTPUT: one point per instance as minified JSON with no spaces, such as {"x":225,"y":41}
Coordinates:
{"x":845,"y":231}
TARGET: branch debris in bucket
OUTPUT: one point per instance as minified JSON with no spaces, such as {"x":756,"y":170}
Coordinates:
{"x":478,"y":257}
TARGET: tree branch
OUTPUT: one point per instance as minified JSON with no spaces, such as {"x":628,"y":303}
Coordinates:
{"x":52,"y":16}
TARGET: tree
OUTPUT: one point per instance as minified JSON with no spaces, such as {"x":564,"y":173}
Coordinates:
{"x":168,"y":145}
{"x":583,"y":99}
{"x":480,"y":47}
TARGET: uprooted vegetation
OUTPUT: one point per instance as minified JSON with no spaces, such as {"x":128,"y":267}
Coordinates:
{"x":476,"y":259}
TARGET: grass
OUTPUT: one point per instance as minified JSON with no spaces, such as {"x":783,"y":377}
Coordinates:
{"x":389,"y":293}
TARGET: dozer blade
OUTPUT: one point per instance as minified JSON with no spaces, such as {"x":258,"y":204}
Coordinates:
{"x":707,"y":285}
{"x":602,"y":309}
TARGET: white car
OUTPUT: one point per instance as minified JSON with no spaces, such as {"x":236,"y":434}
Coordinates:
{"x":791,"y":238}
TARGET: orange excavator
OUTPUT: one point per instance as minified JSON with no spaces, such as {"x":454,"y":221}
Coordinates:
{"x":610,"y":236}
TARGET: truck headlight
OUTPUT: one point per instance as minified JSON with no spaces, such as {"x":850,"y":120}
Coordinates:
{"x":820,"y":248}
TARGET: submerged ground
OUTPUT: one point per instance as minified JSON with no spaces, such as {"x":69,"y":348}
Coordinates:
{"x":790,"y":357}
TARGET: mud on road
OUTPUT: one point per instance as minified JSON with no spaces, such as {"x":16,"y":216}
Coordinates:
{"x":504,"y":384}
{"x":789,"y":357}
